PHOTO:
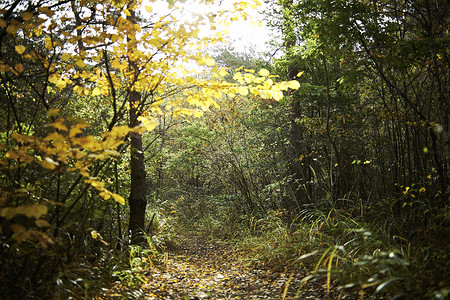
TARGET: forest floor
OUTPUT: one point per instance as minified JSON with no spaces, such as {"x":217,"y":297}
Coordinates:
{"x":201,"y":269}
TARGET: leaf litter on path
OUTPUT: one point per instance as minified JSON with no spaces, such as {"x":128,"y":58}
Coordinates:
{"x":199,"y":269}
{"x":207,"y":270}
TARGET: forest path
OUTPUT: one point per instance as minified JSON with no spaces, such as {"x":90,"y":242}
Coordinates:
{"x":201,"y":269}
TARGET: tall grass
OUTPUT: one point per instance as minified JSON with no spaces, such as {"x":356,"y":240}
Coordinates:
{"x":349,"y":255}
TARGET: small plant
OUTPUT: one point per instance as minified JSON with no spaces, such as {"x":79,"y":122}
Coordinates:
{"x":140,"y":259}
{"x":363,"y":263}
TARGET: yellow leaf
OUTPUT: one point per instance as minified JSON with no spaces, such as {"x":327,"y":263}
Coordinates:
{"x":264,"y":72}
{"x":111,"y":153}
{"x":19,"y":68}
{"x":12,"y":155}
{"x":278,"y":96}
{"x":94,"y":234}
{"x":268,"y":83}
{"x":19,"y":137}
{"x":422,"y":190}
{"x":24,"y":157}
{"x":105,"y":195}
{"x":20,"y":49}
{"x":76,"y":129}
{"x":293,"y":84}
{"x":223,"y":73}
{"x":198,"y":113}
{"x":84,"y":142}
{"x":8,"y":212}
{"x":49,"y":163}
{"x":42,"y":223}
{"x":2,"y":23}
{"x":242,"y":90}
{"x":406,"y":190}
{"x":27,"y":16}
{"x":84,"y":172}
{"x":35,"y":210}
{"x":150,"y":124}
{"x":237,"y":76}
{"x":82,"y":91}
{"x":300,"y":73}
{"x":53,"y":112}
{"x":59,"y":124}
{"x":96,"y":184}
{"x":61,"y":83}
{"x":4,"y":68}
{"x":46,"y":10}
{"x":18,"y":228}
{"x":80,"y":63}
{"x":96,"y":91}
{"x":210,"y":62}
{"x":249,"y":77}
{"x":266,"y":94}
{"x":148,"y":8}
{"x":20,"y":233}
{"x":120,"y":131}
{"x":119,"y":199}
{"x":12,"y":28}
{"x":65,"y":56}
{"x":43,"y":238}
{"x":53,"y":77}
{"x":55,"y":137}
{"x":38,"y":31}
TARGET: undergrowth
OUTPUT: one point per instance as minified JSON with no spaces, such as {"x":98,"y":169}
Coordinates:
{"x":350,"y":256}
{"x":88,"y":268}
{"x":130,"y":273}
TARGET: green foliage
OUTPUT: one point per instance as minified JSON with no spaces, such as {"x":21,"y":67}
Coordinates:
{"x":349,"y":257}
{"x":139,"y":259}
{"x":343,"y":178}
{"x":213,"y":217}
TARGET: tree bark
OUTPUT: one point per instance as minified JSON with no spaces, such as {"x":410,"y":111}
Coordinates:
{"x":137,"y":199}
{"x":298,"y":170}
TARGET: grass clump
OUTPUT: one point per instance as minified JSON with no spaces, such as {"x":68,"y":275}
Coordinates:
{"x":348,"y":256}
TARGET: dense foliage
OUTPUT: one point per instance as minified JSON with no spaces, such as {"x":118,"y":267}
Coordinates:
{"x":118,"y":134}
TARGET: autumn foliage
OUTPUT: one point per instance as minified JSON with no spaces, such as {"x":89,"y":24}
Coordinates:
{"x":127,"y":124}
{"x":79,"y":80}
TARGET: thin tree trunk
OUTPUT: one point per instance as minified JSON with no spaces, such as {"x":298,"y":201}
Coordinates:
{"x":119,"y":221}
{"x":298,"y":170}
{"x":137,"y":198}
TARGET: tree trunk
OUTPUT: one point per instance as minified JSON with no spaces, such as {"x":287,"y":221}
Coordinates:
{"x":299,"y":170}
{"x":137,"y":199}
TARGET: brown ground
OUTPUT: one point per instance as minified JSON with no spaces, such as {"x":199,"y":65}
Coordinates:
{"x":198,"y":269}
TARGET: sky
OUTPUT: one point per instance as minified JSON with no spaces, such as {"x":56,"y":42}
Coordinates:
{"x":244,"y":34}
{"x":250,"y":35}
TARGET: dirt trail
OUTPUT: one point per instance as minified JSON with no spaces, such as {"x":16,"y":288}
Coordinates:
{"x":207,"y":270}
{"x":199,"y":269}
